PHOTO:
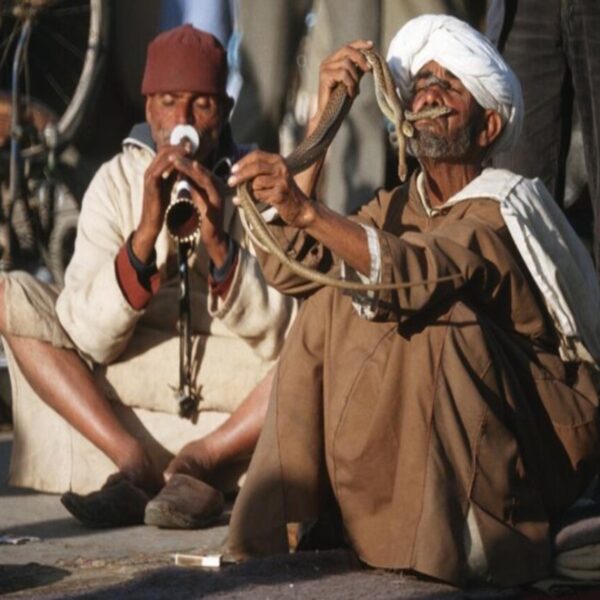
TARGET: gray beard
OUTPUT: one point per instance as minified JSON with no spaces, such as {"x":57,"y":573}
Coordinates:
{"x":430,"y":145}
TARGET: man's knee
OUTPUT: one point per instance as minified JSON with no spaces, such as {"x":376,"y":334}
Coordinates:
{"x":27,"y":307}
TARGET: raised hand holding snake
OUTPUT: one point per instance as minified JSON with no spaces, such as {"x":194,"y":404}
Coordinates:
{"x":269,"y":178}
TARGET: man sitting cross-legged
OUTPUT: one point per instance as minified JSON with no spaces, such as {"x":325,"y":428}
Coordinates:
{"x":448,"y":422}
{"x":103,"y":353}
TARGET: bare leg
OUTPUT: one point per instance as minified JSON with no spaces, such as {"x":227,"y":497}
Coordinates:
{"x":63,"y":381}
{"x":235,"y":439}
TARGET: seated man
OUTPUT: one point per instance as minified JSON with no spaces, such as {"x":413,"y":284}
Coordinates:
{"x":103,"y":353}
{"x":448,"y":421}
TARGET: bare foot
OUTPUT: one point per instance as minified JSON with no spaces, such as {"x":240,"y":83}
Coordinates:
{"x":138,"y":467}
{"x":195,"y":459}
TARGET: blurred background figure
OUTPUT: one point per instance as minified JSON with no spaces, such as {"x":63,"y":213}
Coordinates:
{"x":216,"y":16}
{"x":554,"y":48}
{"x":361,"y":158}
{"x":275,"y":48}
{"x":269,"y":33}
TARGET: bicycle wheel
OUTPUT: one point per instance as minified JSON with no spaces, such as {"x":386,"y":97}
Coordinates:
{"x":61,"y":244}
{"x":61,"y":59}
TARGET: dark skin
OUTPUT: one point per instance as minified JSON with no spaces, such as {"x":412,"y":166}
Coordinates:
{"x":208,"y":115}
{"x":236,"y":437}
{"x":445,"y":177}
{"x":272,"y":183}
{"x":234,"y":440}
{"x":63,"y":380}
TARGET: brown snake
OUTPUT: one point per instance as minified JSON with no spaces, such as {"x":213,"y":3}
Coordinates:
{"x":315,"y":146}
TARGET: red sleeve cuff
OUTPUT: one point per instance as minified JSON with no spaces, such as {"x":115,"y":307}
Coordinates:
{"x":221,"y":289}
{"x":135,"y":293}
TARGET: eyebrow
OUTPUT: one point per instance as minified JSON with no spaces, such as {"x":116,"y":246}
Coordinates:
{"x":178,"y":95}
{"x":424,"y":75}
{"x":428,"y":73}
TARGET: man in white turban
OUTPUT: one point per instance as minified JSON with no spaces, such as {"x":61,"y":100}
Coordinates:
{"x":439,"y":427}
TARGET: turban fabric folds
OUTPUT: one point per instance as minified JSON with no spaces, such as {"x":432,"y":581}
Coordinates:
{"x":470,"y":56}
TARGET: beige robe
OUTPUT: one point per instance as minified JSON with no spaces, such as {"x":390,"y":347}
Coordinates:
{"x":448,"y":429}
{"x":135,"y":353}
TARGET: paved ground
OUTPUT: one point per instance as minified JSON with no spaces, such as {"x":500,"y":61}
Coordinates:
{"x":70,"y":561}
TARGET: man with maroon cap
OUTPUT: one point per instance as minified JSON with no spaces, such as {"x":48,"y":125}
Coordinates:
{"x":97,"y":362}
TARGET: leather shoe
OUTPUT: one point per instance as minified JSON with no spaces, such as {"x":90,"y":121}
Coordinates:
{"x":118,"y":503}
{"x":184,"y":503}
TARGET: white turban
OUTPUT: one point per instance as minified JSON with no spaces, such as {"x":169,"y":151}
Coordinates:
{"x":458,"y":47}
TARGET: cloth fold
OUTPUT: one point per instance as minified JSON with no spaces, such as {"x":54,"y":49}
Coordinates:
{"x":561,"y":266}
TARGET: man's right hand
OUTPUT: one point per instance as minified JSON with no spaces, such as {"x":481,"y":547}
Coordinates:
{"x":345,"y":66}
{"x":158,"y":182}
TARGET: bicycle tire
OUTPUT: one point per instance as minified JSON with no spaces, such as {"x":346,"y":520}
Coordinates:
{"x":61,"y":243}
{"x":69,"y":115}
{"x":71,"y":119}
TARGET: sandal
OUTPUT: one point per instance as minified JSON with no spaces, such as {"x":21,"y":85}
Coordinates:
{"x":185,"y":503}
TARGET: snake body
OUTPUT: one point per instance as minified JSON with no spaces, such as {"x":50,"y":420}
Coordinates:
{"x":315,"y":146}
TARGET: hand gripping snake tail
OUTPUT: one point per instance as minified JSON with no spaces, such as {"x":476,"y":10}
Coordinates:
{"x":315,"y":146}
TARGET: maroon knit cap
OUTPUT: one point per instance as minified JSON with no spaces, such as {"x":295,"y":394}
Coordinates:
{"x":185,"y":59}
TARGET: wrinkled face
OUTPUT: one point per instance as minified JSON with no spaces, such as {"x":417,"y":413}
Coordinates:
{"x":451,"y":136}
{"x":206,"y":113}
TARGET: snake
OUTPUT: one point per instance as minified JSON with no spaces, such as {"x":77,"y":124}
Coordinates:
{"x":314,"y":146}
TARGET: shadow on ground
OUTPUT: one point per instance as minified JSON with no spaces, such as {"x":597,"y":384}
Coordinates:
{"x":14,"y":578}
{"x":52,"y":529}
{"x":303,"y":575}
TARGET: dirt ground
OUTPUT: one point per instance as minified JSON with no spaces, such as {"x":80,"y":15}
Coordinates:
{"x":69,"y":561}
{"x":332,"y":574}
{"x":59,"y":558}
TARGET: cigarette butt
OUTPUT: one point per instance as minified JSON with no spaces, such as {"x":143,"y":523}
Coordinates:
{"x":209,"y":561}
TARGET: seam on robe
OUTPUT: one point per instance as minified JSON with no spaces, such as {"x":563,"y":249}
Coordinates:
{"x":333,"y":477}
{"x":278,"y":438}
{"x":429,"y":432}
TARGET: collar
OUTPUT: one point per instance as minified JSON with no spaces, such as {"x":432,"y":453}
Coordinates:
{"x":490,"y":183}
{"x":140,"y":136}
{"x":422,"y":194}
{"x":430,"y":211}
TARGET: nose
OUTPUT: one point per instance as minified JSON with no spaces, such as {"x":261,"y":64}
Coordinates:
{"x":184,"y":114}
{"x":430,"y":95}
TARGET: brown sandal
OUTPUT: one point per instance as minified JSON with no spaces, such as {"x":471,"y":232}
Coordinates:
{"x":184,"y":503}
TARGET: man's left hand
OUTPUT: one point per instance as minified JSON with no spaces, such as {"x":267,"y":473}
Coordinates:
{"x":271,"y":182}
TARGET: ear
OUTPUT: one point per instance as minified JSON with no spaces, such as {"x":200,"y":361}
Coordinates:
{"x":492,"y":127}
{"x":147,"y":109}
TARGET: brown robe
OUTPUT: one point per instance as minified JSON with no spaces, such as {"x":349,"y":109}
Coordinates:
{"x":448,"y":430}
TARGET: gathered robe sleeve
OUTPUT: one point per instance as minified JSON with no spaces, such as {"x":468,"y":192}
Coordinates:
{"x":469,"y":241}
{"x":92,"y":307}
{"x":95,"y":307}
